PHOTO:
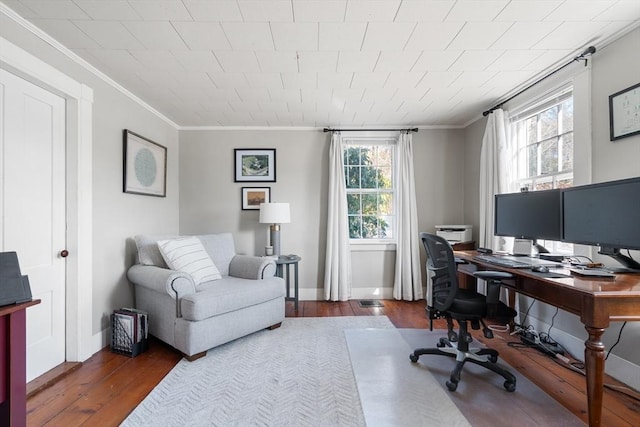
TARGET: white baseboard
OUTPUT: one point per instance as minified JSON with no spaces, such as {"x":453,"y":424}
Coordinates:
{"x":617,"y":367}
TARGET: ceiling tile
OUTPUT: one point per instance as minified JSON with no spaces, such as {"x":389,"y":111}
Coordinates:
{"x":624,"y":10}
{"x":109,"y":34}
{"x":237,"y":62}
{"x":56,"y":9}
{"x":219,"y":10}
{"x":114,"y":10}
{"x":264,"y":80}
{"x":248,"y":36}
{"x":427,"y":11}
{"x":513,"y":60}
{"x":523,"y":35}
{"x":475,"y":60}
{"x":197,"y":60}
{"x":66,"y":33}
{"x":202,"y":35}
{"x":436,"y":60}
{"x":300,"y":80}
{"x":387,"y":36}
{"x":285,"y":95}
{"x":433,"y":36}
{"x":479,"y":35}
{"x":253,"y":94}
{"x":527,"y":10}
{"x":161,"y":10}
{"x":584,"y":10}
{"x":22,"y":9}
{"x":369,"y":80}
{"x":571,"y":35}
{"x":229,"y":80}
{"x":507,"y":80}
{"x":274,"y":106}
{"x":404,"y":79}
{"x":380,"y":97}
{"x":341,"y":36}
{"x":161,"y":60}
{"x":396,"y":61}
{"x":334,"y":80}
{"x":116,"y":59}
{"x":155,"y":34}
{"x":476,"y":11}
{"x":266,"y":10}
{"x":294,"y":36}
{"x":317,"y":61}
{"x":438,"y":79}
{"x":319,"y":10}
{"x":371,"y":10}
{"x":472,"y":79}
{"x":547,"y":59}
{"x":276,"y":62}
{"x":357,"y":61}
{"x":243,"y":105}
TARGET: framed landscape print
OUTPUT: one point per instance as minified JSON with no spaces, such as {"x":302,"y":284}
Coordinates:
{"x":145,"y":166}
{"x":255,"y":165}
{"x":624,"y":113}
{"x":253,"y":196}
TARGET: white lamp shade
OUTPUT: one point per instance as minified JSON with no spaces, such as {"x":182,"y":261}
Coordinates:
{"x":274,"y":213}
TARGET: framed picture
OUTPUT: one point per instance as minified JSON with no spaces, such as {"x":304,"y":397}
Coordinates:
{"x":253,"y":196}
{"x":624,"y":113}
{"x":255,"y":165}
{"x":145,"y":166}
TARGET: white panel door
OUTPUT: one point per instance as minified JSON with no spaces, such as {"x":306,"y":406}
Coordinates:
{"x":32,"y":200}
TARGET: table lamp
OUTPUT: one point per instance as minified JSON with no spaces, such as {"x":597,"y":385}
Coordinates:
{"x":275,"y":214}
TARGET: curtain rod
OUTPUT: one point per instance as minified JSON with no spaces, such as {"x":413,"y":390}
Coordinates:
{"x":371,"y":130}
{"x":582,"y":57}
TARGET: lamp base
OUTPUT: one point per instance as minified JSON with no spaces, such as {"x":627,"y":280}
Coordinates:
{"x":275,"y":238}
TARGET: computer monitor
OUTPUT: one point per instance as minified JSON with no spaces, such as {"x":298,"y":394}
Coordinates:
{"x":529,"y":215}
{"x":606,"y":215}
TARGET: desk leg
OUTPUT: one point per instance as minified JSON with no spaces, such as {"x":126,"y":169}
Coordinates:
{"x":594,"y":366}
{"x":295,"y":285}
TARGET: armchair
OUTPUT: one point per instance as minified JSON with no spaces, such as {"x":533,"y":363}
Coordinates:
{"x":465,"y":306}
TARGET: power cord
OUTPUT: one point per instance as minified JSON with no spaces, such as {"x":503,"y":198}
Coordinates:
{"x":617,"y":341}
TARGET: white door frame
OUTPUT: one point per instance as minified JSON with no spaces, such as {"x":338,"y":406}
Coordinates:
{"x":79,"y":141}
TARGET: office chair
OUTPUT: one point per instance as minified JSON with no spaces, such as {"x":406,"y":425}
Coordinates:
{"x":464,"y":306}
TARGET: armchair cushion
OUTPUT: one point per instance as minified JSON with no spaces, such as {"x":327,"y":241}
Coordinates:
{"x":188,"y":255}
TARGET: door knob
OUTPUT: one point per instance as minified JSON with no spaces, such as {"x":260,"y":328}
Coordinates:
{"x":64,"y":253}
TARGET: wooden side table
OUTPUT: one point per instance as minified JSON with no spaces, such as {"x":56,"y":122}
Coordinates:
{"x":282,"y":263}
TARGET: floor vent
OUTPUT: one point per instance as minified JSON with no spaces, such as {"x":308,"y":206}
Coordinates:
{"x":370,"y":303}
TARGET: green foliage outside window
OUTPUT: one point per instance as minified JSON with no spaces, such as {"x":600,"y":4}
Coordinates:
{"x":369,"y":183}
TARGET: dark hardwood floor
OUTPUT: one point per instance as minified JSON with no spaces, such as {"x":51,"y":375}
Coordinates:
{"x":103,"y":390}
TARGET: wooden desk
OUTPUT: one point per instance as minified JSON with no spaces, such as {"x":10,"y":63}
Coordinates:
{"x":13,"y":366}
{"x":596,"y":302}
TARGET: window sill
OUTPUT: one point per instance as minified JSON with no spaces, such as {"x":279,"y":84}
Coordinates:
{"x":372,"y":246}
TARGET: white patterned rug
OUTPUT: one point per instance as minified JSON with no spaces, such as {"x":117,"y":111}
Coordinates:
{"x":297,"y":375}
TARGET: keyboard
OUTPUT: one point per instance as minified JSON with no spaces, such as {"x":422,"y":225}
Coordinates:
{"x":502,"y":262}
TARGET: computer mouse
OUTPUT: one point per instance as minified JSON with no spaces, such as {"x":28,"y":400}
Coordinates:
{"x":540,"y":268}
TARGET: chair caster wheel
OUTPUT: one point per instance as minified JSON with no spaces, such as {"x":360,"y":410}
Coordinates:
{"x":413,"y":358}
{"x":440,"y":344}
{"x":453,"y":386}
{"x":510,"y":386}
{"x":493,"y":358}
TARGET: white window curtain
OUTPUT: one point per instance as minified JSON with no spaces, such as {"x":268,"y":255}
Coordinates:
{"x":337,"y":273}
{"x":495,"y":169}
{"x":408,"y":277}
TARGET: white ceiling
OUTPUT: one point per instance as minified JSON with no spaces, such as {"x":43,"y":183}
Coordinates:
{"x":317,"y":63}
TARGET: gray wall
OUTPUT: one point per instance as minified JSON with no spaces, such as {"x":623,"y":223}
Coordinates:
{"x":116,"y":216}
{"x":210,"y":199}
{"x":597,"y":160}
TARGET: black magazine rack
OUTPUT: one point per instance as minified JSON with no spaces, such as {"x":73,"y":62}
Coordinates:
{"x":129,"y":331}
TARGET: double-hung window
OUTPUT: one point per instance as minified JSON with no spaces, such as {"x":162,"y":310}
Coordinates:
{"x":370,"y":184}
{"x":543,"y":149}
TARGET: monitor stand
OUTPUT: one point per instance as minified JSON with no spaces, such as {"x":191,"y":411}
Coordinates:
{"x":629,"y":264}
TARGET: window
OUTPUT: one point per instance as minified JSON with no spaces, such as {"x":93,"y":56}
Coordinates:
{"x":370,"y":183}
{"x":543,"y":141}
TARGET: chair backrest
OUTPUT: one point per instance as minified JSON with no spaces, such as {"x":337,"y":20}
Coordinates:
{"x":442,"y":265}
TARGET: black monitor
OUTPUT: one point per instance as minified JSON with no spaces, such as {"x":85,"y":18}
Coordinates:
{"x":606,"y":215}
{"x":529,"y":215}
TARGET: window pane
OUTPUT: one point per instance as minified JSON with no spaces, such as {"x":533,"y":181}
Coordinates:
{"x":532,"y":160}
{"x":366,"y":157}
{"x":565,"y":183}
{"x":566,"y":115}
{"x":353,"y":204}
{"x":386,"y":204}
{"x":386,"y":227}
{"x":543,"y":185}
{"x":369,"y":204}
{"x":384,"y":178}
{"x":549,"y":156}
{"x":369,"y":177}
{"x":369,"y":227}
{"x":384,"y":156}
{"x":354,"y":227}
{"x":532,"y":130}
{"x":352,"y":176}
{"x":567,"y":152}
{"x":352,"y":156}
{"x":549,"y":123}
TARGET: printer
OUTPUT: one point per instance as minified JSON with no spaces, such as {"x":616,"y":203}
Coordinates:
{"x":455,"y":233}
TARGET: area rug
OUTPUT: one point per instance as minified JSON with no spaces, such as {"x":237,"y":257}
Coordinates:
{"x":480,"y":395}
{"x":297,"y":375}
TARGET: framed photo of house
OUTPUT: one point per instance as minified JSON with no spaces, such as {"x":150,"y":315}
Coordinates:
{"x":145,"y":166}
{"x":255,"y":165}
{"x":624,"y":113}
{"x":253,"y":196}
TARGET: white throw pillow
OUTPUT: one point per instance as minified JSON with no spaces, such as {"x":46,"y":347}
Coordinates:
{"x":188,"y":255}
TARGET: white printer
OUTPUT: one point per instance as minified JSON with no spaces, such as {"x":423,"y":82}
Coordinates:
{"x":455,"y":233}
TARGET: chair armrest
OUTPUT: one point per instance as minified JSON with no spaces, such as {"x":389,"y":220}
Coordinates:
{"x":252,"y":267}
{"x":162,"y":280}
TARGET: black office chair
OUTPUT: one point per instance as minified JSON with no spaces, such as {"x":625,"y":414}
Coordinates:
{"x":463,"y":305}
